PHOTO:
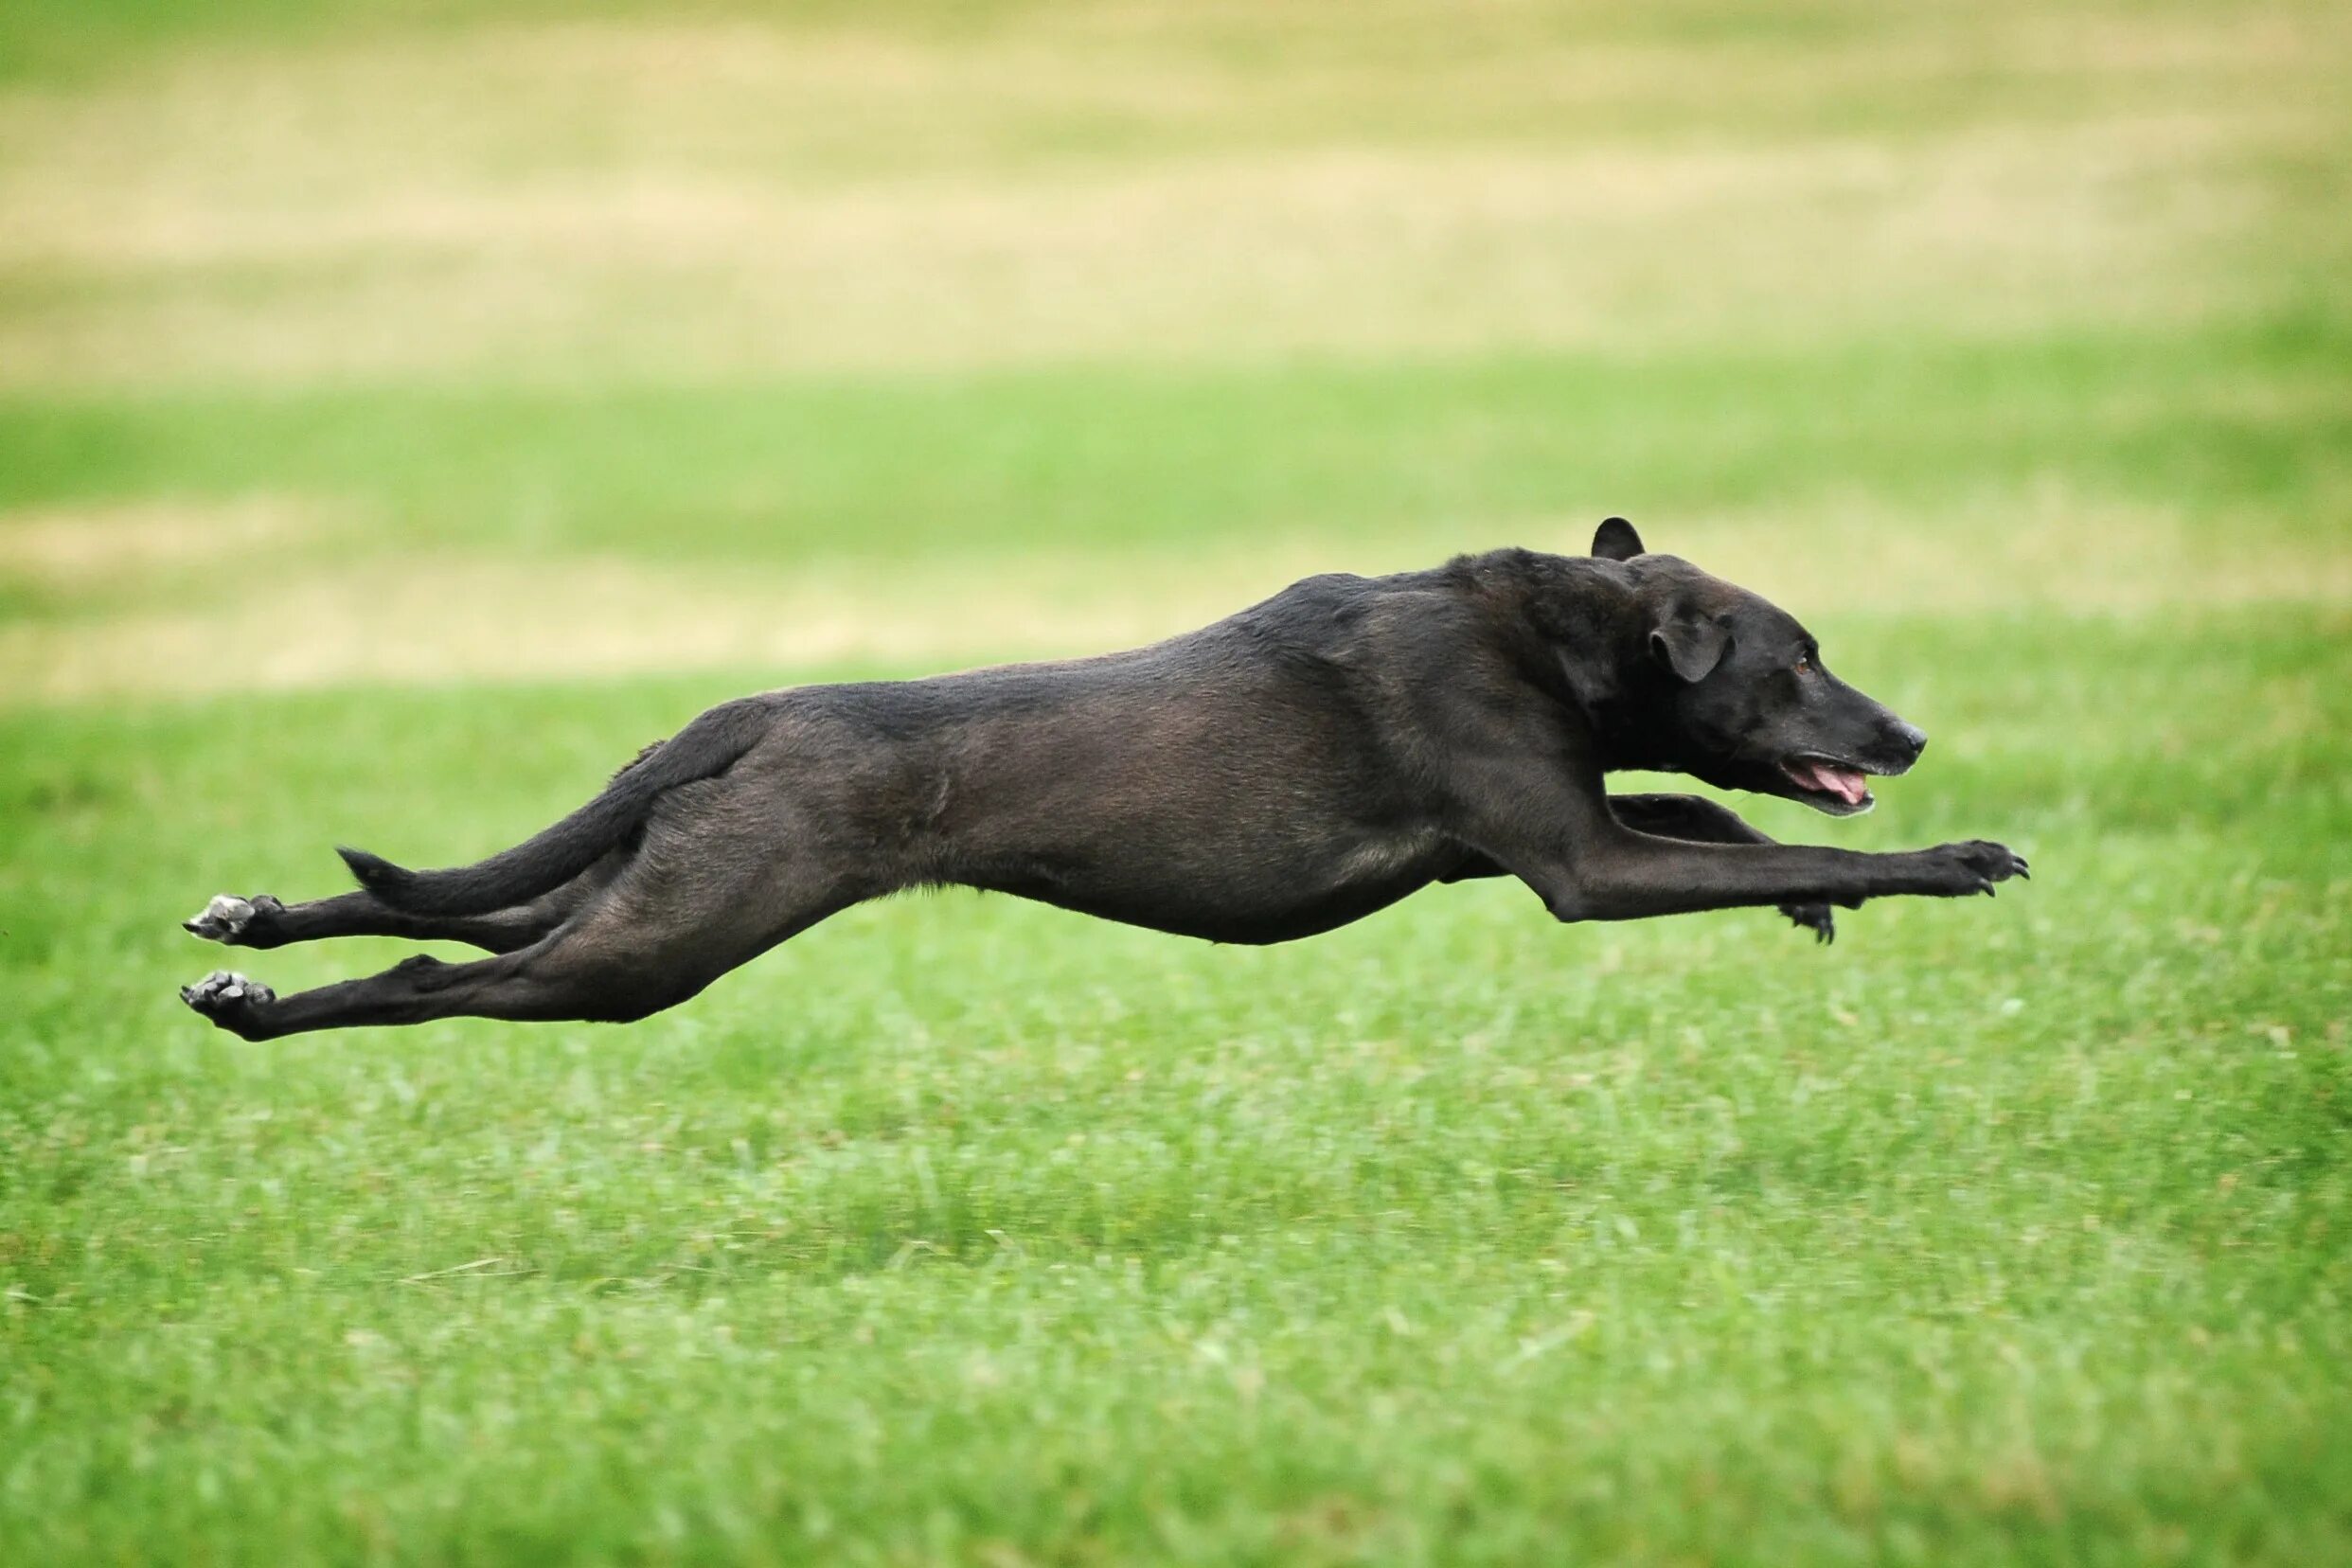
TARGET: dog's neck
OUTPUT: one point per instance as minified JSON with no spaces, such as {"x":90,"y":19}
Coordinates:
{"x":1592,"y":638}
{"x":1626,"y":736}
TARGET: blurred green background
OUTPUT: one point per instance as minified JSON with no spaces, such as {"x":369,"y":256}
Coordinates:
{"x":407,"y":409}
{"x":440,"y":340}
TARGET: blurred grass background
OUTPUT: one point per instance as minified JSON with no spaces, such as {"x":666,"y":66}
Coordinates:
{"x":409,"y":409}
{"x":537,"y":338}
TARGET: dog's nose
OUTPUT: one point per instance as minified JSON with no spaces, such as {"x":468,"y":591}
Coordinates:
{"x":1908,"y":738}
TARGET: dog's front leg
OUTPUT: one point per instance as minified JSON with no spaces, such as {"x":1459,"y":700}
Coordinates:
{"x":1698,"y":820}
{"x":1535,"y":805}
{"x":1623,"y":874}
{"x":1555,"y":831}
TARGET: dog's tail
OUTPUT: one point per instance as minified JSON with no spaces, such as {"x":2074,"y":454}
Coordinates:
{"x":707,"y":746}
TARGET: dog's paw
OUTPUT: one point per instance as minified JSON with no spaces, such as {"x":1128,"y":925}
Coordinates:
{"x":1816,"y":917}
{"x":1962,"y":869}
{"x":231,"y":1001}
{"x":231,"y":921}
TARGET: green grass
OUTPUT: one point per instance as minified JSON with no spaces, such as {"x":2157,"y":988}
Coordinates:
{"x":514,"y":378}
{"x":961,"y":1228}
{"x":1094,"y":459}
{"x":2107,"y":469}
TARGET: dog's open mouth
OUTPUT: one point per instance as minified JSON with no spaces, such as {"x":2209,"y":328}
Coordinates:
{"x":1825,"y":782}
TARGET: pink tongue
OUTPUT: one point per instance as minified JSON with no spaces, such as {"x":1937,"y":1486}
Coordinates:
{"x":1842,"y":782}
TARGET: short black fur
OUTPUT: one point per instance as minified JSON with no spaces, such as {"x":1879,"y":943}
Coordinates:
{"x":1290,"y":769}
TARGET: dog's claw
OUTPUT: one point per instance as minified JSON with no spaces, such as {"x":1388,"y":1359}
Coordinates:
{"x":1974,"y":867}
{"x":221,"y":919}
{"x":1816,"y":919}
{"x":227,"y":919}
{"x":227,"y":998}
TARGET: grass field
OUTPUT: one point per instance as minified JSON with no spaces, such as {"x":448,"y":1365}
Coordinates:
{"x":407,"y":411}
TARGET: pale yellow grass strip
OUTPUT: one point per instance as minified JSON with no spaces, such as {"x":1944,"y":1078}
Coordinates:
{"x":1341,"y":254}
{"x":429,"y":618}
{"x":675,"y":201}
{"x":441,"y":618}
{"x":87,"y":548}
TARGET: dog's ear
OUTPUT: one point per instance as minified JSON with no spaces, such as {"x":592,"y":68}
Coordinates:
{"x":1691,"y":645}
{"x":1616,"y":540}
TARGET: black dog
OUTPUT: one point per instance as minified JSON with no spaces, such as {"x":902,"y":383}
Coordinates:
{"x":1287,"y":770}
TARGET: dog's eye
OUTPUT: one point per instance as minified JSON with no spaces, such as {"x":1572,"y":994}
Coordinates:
{"x":1804,"y":663}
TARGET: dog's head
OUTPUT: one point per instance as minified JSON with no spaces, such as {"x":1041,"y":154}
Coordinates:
{"x":1747,"y":702}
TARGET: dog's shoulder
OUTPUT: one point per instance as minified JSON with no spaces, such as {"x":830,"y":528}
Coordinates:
{"x":1335,"y":612}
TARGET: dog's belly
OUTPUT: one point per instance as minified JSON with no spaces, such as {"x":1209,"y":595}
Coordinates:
{"x":1252,"y":898}
{"x":1246,"y":800}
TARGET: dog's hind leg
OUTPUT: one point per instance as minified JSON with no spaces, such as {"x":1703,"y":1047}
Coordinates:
{"x":262,"y":921}
{"x":412,"y":992}
{"x":599,"y":968}
{"x":704,"y":893}
{"x":545,"y":980}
